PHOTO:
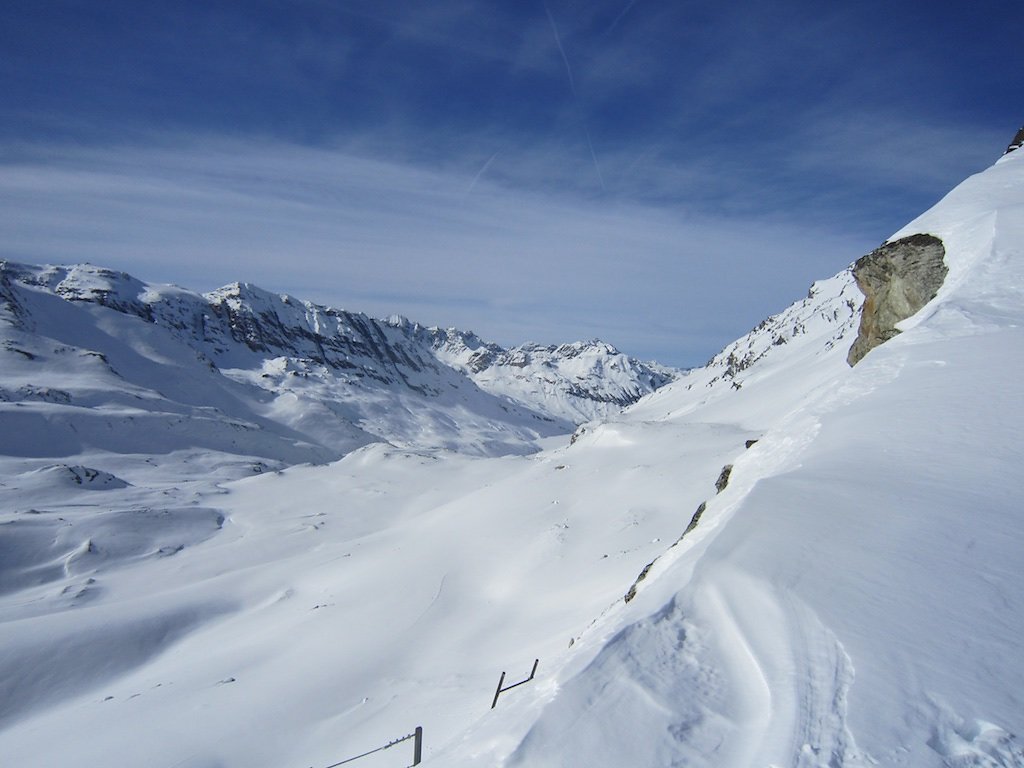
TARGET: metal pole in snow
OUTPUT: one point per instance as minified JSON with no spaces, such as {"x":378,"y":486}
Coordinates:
{"x":417,"y":748}
{"x":514,"y":685}
{"x":497,"y":693}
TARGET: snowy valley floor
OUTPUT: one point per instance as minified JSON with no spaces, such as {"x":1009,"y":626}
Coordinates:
{"x":340,"y":606}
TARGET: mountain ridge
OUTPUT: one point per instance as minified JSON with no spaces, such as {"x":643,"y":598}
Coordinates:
{"x":357,"y":373}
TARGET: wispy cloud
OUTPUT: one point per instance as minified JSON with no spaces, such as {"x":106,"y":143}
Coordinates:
{"x":384,"y":237}
{"x":660,"y":174}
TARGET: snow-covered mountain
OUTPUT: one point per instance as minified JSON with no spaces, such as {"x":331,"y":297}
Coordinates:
{"x":241,"y":370}
{"x":851,"y":594}
{"x":577,"y":382}
{"x":819,"y":549}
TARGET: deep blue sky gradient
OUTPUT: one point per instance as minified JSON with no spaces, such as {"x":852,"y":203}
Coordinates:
{"x":741,"y":149}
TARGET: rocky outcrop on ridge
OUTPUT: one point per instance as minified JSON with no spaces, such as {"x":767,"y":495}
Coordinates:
{"x":1017,"y":142}
{"x":720,"y":485}
{"x":897,"y":279}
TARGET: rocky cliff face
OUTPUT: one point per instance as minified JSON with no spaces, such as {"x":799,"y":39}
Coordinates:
{"x":897,"y":280}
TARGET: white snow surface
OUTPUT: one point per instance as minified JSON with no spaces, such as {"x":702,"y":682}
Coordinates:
{"x":853,"y":597}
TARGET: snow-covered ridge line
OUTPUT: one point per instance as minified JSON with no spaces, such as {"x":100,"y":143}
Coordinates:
{"x":807,"y":333}
{"x":336,"y":379}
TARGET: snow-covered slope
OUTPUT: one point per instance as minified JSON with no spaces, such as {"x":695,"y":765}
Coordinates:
{"x":97,"y":359}
{"x":855,"y":595}
{"x":849,"y":593}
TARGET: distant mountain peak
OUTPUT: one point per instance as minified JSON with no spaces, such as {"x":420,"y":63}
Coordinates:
{"x":317,"y":380}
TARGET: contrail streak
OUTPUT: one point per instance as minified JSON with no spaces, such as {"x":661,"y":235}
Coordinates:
{"x":482,"y":171}
{"x":620,"y":16}
{"x":593,"y":156}
{"x":561,"y":50}
{"x":575,"y":96}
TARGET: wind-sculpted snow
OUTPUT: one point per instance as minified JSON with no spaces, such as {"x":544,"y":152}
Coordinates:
{"x":64,"y":476}
{"x":46,"y":664}
{"x":41,"y":546}
{"x":850,"y":595}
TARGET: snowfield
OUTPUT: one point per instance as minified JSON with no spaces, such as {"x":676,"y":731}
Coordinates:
{"x":850,"y":594}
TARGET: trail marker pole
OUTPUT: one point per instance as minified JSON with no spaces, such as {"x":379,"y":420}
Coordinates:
{"x":417,"y":748}
{"x":501,"y":681}
{"x":497,"y":692}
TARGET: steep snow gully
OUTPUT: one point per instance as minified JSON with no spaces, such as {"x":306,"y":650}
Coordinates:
{"x":850,"y":594}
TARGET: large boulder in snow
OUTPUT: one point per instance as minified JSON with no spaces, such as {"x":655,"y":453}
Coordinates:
{"x":897,"y":279}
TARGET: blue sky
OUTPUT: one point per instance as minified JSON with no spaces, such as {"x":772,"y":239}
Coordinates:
{"x":661,"y":175}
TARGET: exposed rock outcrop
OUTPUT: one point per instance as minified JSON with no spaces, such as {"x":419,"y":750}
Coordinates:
{"x":720,"y":485}
{"x":897,"y":279}
{"x":1017,"y":142}
{"x":723,"y":478}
